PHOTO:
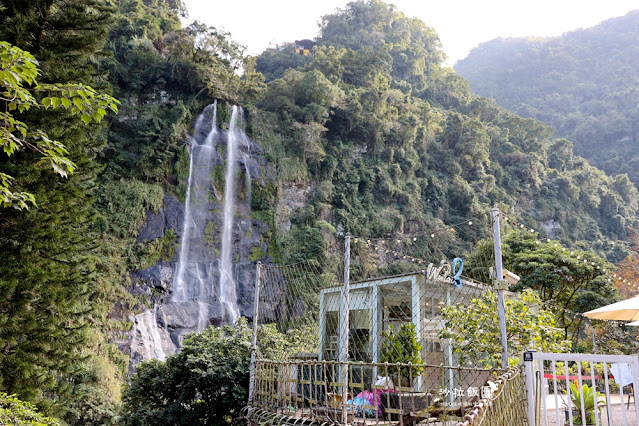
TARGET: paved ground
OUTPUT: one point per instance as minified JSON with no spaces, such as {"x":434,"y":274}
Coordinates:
{"x":615,"y":411}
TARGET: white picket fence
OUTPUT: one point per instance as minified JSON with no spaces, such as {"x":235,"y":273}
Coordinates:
{"x":549,"y":394}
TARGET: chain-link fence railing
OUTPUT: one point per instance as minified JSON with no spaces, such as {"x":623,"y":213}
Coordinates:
{"x":312,"y":390}
{"x":376,"y":343}
{"x":506,"y":406}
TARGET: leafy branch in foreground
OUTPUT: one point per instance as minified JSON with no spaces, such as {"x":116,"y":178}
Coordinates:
{"x":17,"y":70}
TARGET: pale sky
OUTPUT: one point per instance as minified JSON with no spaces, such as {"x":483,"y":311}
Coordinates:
{"x":460,"y":24}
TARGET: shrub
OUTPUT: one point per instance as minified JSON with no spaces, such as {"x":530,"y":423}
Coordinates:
{"x":16,"y":412}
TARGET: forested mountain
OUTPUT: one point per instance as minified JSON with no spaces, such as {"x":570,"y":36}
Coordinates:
{"x":583,"y":84}
{"x":369,"y":135}
{"x":393,"y":141}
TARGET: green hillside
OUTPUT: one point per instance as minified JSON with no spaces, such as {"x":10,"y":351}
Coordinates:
{"x":584,"y":84}
{"x":380,"y":137}
{"x":395,"y":142}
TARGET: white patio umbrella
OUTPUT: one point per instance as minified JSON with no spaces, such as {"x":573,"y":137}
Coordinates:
{"x":626,"y":310}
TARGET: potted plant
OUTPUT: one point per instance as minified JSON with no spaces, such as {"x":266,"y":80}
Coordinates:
{"x":402,"y":347}
{"x":593,"y":401}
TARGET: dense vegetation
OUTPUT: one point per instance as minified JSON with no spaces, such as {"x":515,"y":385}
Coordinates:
{"x":53,"y":350}
{"x":64,"y":262}
{"x":583,"y":84}
{"x":16,"y":412}
{"x":206,"y":383}
{"x":393,"y":142}
{"x":389,"y":142}
{"x":566,"y":280}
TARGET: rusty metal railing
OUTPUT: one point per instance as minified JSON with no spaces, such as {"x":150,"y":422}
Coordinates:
{"x":405,"y":394}
{"x":506,"y":406}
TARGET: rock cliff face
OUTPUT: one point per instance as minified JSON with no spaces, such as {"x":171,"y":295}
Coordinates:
{"x":161,"y":323}
{"x":293,"y":197}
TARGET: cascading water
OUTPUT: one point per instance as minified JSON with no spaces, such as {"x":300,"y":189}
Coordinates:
{"x":192,"y":278}
{"x":228,"y":295}
{"x":191,"y":285}
{"x":147,"y":335}
{"x":245,"y":152}
{"x":204,"y":280}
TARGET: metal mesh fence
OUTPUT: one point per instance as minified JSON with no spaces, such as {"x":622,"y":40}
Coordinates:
{"x":313,"y":390}
{"x":370,"y":346}
{"x":392,"y":283}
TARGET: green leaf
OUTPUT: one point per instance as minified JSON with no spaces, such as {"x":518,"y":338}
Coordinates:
{"x":59,"y":170}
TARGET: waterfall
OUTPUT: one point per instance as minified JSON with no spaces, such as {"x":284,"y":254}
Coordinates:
{"x":191,"y":282}
{"x":204,"y":287}
{"x":228,"y":295}
{"x":246,"y":157}
{"x":147,"y":335}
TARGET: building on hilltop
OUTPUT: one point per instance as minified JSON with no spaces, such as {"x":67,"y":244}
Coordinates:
{"x":302,"y":47}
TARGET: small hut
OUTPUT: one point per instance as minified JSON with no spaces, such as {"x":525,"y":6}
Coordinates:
{"x":376,"y":304}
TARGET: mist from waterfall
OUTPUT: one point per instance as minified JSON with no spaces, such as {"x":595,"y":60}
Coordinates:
{"x":228,"y":295}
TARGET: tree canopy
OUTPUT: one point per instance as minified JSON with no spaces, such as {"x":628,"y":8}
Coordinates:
{"x":474,"y":328}
{"x":205,"y":383}
{"x":567,"y":280}
{"x":17,"y":69}
{"x":393,"y":141}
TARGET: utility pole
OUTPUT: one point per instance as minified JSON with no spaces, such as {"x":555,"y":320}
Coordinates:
{"x":255,"y":325}
{"x":344,"y":327}
{"x":501,"y":287}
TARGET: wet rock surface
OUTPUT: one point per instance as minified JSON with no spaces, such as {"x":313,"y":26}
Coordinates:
{"x":169,"y":216}
{"x":154,"y":288}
